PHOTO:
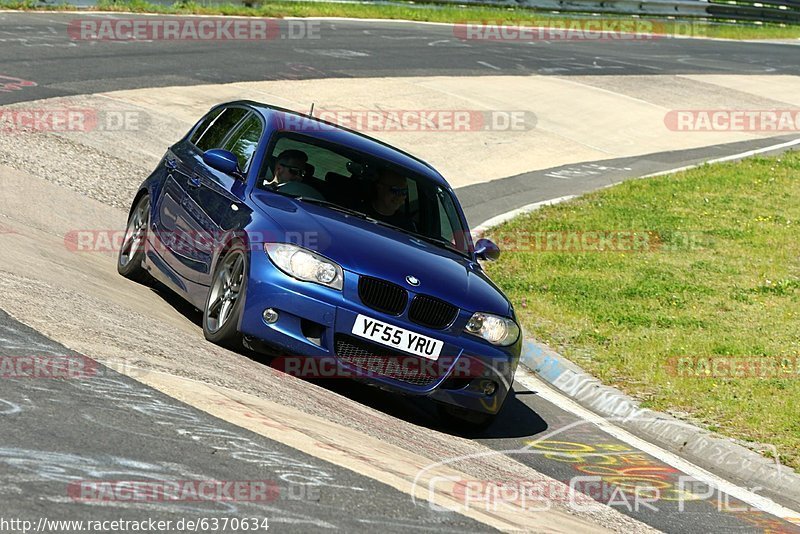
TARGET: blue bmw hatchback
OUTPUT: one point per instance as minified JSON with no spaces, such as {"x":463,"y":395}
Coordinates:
{"x":342,"y":255}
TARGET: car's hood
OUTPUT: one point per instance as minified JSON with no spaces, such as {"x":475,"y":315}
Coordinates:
{"x":370,"y":249}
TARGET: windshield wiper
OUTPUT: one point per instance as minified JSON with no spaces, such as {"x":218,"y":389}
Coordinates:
{"x":433,"y":240}
{"x":336,"y":207}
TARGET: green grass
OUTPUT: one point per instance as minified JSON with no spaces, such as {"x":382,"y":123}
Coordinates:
{"x":429,"y":12}
{"x":733,"y":291}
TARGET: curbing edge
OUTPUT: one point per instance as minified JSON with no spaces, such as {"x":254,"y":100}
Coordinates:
{"x":723,"y":455}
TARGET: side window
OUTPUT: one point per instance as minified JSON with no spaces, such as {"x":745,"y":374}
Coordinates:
{"x":244,"y":142}
{"x":449,"y":222}
{"x":204,"y":125}
{"x":216,"y":133}
{"x":445,"y":228}
{"x":321,"y":159}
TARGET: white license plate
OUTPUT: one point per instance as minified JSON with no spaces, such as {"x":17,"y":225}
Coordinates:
{"x":398,"y":338}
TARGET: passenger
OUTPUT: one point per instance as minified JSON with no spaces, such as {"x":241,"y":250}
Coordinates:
{"x":390,"y":194}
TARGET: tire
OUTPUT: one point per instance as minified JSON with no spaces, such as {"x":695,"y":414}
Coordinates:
{"x":226,"y":299}
{"x":130,"y":262}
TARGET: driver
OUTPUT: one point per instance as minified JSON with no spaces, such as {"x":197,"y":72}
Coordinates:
{"x":290,"y":166}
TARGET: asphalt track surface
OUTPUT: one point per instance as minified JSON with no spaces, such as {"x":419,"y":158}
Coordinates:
{"x":37,"y":47}
{"x":483,"y":201}
{"x":56,"y":432}
{"x":60,"y":433}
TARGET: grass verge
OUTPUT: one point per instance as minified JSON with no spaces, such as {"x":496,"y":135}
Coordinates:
{"x":423,"y":12}
{"x":721,"y":282}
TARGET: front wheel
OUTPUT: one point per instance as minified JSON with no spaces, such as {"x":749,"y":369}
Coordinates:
{"x":131,"y":255}
{"x":226,"y":298}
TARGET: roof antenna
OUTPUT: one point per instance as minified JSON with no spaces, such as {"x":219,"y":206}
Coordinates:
{"x":311,"y":113}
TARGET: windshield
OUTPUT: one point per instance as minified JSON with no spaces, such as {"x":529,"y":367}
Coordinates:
{"x":337,"y":177}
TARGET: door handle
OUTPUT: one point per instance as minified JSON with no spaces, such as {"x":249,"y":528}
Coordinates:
{"x":194,"y":181}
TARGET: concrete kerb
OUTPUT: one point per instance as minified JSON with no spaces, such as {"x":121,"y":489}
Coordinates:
{"x":728,"y":458}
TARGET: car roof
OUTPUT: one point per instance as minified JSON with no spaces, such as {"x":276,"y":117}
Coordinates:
{"x":333,"y":133}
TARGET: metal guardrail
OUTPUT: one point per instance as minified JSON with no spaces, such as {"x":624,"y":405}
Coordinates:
{"x":772,"y":11}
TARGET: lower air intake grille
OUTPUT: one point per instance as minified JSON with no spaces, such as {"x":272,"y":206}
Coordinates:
{"x":384,"y":361}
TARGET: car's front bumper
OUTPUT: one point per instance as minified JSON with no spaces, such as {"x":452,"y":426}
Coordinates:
{"x":312,"y":319}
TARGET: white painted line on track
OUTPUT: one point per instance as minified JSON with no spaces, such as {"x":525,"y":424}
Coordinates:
{"x":503,"y":217}
{"x":732,"y":157}
{"x":530,"y":381}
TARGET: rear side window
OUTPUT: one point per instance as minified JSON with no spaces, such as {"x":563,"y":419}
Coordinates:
{"x":204,"y":125}
{"x":244,"y":142}
{"x":215,"y":134}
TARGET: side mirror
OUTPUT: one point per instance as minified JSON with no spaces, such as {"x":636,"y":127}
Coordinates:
{"x":223,"y":161}
{"x":486,"y":250}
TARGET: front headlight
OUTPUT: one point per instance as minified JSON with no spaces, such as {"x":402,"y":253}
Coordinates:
{"x":496,"y":330}
{"x":305,"y":265}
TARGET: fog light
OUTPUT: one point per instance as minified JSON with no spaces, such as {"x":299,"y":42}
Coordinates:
{"x":270,"y":316}
{"x":488,"y":388}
